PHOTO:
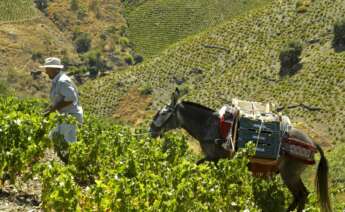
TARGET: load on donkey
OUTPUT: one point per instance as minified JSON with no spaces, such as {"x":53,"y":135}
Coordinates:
{"x":280,"y":148}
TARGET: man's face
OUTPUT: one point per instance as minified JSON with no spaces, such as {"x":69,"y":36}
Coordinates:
{"x":51,"y":72}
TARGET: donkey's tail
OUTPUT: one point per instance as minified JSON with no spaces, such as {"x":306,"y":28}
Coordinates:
{"x":321,"y":182}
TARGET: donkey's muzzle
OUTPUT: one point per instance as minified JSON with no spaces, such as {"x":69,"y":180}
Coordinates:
{"x":154,"y":133}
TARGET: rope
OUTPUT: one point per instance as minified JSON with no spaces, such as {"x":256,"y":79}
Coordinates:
{"x":259,"y":133}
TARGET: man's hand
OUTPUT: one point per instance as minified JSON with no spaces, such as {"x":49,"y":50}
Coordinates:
{"x":47,"y":111}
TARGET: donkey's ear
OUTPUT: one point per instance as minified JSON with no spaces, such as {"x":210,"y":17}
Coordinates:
{"x":174,"y":97}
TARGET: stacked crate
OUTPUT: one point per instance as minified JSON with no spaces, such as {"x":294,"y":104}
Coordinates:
{"x":259,"y":125}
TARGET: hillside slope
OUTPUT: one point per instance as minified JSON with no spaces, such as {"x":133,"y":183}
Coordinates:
{"x":28,"y":35}
{"x":241,"y":59}
{"x":154,"y":25}
{"x":101,"y":21}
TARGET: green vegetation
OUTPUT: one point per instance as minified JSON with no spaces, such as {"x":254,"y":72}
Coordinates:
{"x":337,"y":162}
{"x":302,"y":5}
{"x":146,"y":90}
{"x":154,"y":25}
{"x":41,"y":4}
{"x":132,"y":4}
{"x":117,"y":168}
{"x":339,"y":34}
{"x":74,"y":5}
{"x":97,"y":25}
{"x":16,"y":10}
{"x":82,"y":42}
{"x":21,"y":131}
{"x":4,"y":88}
{"x":290,"y":57}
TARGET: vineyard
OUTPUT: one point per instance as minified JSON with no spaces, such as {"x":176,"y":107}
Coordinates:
{"x":118,"y":168}
{"x":153,"y":28}
{"x":240,"y":59}
{"x":213,"y":51}
{"x":17,"y":10}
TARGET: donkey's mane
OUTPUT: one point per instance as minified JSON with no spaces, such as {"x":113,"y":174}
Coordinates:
{"x":197,"y":105}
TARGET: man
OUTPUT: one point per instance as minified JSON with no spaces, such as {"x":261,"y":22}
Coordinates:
{"x":64,"y":99}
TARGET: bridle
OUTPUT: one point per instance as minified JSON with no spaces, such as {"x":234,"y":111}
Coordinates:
{"x":171,"y":111}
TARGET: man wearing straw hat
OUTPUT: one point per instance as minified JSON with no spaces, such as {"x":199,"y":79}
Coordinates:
{"x":64,"y":99}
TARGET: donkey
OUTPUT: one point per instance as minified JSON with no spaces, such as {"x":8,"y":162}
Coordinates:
{"x":202,"y":123}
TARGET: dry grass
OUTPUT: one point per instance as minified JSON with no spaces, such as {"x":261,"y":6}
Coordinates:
{"x":132,"y":108}
{"x":22,"y":37}
{"x":18,"y":42}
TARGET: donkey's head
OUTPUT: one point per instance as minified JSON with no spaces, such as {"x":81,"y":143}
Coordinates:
{"x":166,"y":118}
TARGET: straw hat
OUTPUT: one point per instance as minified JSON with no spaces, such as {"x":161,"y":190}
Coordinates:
{"x":52,"y":62}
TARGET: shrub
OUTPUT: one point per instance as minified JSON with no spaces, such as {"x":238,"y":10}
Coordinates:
{"x":289,"y":55}
{"x":94,"y":62}
{"x":74,"y":5}
{"x":82,"y":42}
{"x":129,"y":59}
{"x":339,"y":33}
{"x":302,"y":5}
{"x":77,"y":70}
{"x":4,"y":88}
{"x":41,"y":4}
{"x":37,"y":56}
{"x":146,"y":89}
{"x":94,"y":6}
{"x":124,"y":41}
{"x":184,"y":89}
{"x":82,"y":13}
{"x":138,"y":58}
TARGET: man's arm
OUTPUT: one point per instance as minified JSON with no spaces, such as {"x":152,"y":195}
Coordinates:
{"x":61,"y":105}
{"x":69,"y":94}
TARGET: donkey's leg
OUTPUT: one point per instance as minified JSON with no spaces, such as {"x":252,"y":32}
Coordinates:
{"x":292,"y":188}
{"x":202,"y":161}
{"x":300,"y":195}
{"x":290,"y":171}
{"x":303,"y":196}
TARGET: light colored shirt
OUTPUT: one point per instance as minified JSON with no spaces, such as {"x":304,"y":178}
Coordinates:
{"x":64,"y":89}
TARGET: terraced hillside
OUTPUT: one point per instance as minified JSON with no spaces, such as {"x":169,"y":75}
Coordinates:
{"x":241,"y":59}
{"x":156,"y":24}
{"x":15,"y":10}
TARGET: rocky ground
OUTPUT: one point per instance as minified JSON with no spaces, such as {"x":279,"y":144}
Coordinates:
{"x":24,"y":196}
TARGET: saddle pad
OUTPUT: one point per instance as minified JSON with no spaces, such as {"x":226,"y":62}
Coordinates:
{"x":298,"y":150}
{"x":263,"y":167}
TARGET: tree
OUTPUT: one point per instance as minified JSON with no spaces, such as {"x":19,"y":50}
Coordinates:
{"x":41,"y":4}
{"x":74,"y":4}
{"x":94,"y":62}
{"x":82,"y":42}
{"x":339,"y":34}
{"x":290,"y":57}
